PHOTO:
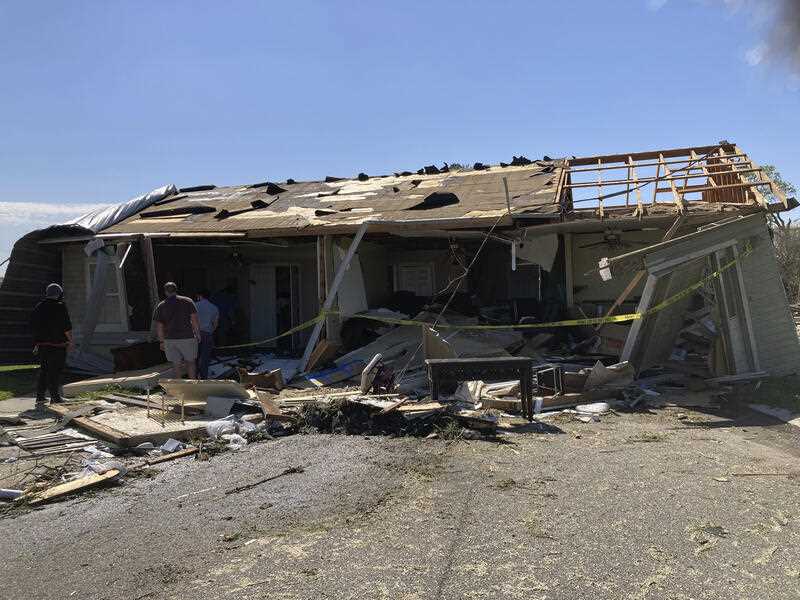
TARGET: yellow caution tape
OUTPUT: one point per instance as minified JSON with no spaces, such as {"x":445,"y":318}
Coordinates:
{"x":291,"y":331}
{"x":566,"y":323}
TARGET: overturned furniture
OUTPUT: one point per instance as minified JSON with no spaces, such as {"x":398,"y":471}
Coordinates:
{"x":455,"y":370}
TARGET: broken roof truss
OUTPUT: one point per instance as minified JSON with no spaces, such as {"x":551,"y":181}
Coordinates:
{"x":673,"y":180}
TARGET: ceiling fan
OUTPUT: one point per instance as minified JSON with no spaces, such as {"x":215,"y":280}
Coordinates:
{"x":613,"y":240}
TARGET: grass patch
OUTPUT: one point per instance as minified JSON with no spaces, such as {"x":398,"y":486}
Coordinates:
{"x":17,"y":380}
{"x":781,"y":392}
{"x":109,"y":389}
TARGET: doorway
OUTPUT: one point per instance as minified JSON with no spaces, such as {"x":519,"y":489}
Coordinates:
{"x":274,"y":304}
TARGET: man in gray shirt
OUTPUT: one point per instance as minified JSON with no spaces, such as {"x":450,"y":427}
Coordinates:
{"x":208,"y":317}
{"x":178,"y":330}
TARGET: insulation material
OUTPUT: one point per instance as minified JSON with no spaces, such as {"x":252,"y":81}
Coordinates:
{"x":103,"y":218}
{"x":352,"y":293}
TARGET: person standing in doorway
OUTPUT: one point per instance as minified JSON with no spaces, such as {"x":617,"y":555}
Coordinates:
{"x":208,"y":317}
{"x":178,"y":330}
{"x":52,"y":336}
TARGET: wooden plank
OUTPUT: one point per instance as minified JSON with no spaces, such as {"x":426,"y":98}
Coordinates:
{"x":644,"y":304}
{"x":600,"y":186}
{"x":638,"y":188}
{"x":188,"y":408}
{"x":675,"y":195}
{"x":322,"y":354}
{"x":107,"y":433}
{"x":624,"y":295}
{"x":395,"y":406}
{"x":173,"y":456}
{"x":337,"y":281}
{"x":649,"y":155}
{"x":69,"y":488}
{"x":655,"y":185}
{"x":673,"y":177}
{"x":150,"y":267}
{"x":628,"y":185}
{"x":772,"y":185}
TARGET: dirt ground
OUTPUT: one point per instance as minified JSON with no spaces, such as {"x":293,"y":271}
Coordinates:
{"x":669,"y":503}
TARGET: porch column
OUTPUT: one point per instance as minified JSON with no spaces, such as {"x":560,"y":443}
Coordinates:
{"x":331,"y":292}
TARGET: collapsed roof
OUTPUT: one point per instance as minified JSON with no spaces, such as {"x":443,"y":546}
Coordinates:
{"x":704,"y":180}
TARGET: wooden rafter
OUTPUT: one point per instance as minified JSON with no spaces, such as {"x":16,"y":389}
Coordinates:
{"x":712,"y":175}
{"x":712,"y":195}
{"x":774,"y":188}
{"x":637,"y":187}
{"x":655,"y":185}
{"x":600,"y":184}
{"x":675,"y":194}
{"x":609,"y":166}
{"x":688,"y":175}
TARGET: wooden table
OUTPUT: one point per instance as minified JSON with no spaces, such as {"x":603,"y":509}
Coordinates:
{"x":456,"y":370}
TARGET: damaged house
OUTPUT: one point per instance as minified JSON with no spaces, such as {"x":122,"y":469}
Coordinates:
{"x":650,"y":257}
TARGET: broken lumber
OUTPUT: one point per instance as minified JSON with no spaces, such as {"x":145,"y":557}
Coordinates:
{"x":272,"y":380}
{"x":70,"y":487}
{"x":322,"y":354}
{"x":271,"y":409}
{"x":174,"y":455}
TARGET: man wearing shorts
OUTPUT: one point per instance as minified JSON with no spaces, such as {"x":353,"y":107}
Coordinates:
{"x":178,"y":330}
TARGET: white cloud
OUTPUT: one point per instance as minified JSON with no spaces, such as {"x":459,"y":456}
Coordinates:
{"x":42,"y":213}
{"x":756,"y":55}
{"x":656,"y":4}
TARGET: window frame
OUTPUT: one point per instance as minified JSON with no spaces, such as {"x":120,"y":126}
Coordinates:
{"x":123,"y":324}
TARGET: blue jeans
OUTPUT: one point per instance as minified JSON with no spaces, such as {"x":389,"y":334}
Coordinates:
{"x":204,"y":351}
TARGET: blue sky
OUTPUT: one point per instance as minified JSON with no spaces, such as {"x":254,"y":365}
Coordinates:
{"x":103,"y":101}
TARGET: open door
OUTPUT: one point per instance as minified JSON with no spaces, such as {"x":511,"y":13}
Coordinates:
{"x":274,"y":303}
{"x":263,"y":305}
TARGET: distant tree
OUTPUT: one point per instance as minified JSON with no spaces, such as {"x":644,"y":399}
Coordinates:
{"x":785,"y":237}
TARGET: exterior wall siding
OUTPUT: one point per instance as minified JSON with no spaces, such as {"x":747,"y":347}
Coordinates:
{"x":773,"y":327}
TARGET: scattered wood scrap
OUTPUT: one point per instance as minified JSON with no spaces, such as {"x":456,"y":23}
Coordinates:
{"x":70,"y":487}
{"x":272,"y":380}
{"x":173,"y":456}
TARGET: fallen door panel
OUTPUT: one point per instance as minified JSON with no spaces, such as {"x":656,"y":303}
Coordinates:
{"x":657,"y":332}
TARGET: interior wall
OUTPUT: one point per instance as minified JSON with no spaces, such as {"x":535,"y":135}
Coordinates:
{"x":374,"y":258}
{"x":588,"y":287}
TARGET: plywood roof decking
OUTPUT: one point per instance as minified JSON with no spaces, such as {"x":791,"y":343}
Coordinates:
{"x":701,"y":181}
{"x":304,"y":207}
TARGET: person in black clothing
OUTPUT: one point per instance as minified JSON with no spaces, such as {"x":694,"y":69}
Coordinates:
{"x":52,"y":335}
